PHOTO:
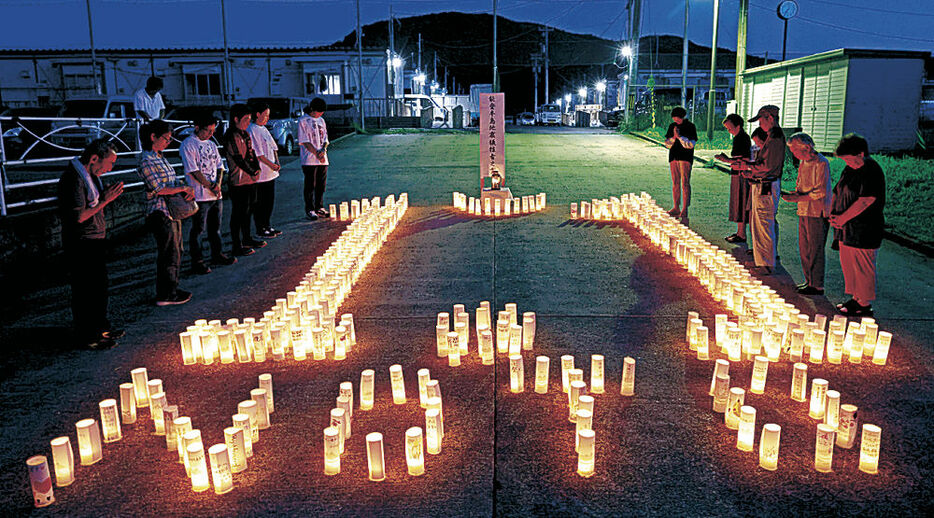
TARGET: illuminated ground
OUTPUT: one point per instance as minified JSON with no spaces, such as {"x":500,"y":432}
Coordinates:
{"x":596,"y":289}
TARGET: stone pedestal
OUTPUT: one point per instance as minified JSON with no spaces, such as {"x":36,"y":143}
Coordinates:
{"x":498,"y":194}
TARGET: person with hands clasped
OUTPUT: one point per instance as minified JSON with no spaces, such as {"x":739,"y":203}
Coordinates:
{"x":739,"y":187}
{"x":680,"y":140}
{"x":244,"y":170}
{"x":267,"y":152}
{"x":313,"y":139}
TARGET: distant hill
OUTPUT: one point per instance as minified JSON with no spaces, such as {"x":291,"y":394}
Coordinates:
{"x":463,"y":43}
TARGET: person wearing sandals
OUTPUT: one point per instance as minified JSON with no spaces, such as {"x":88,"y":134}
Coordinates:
{"x":267,"y":153}
{"x":739,"y":187}
{"x":244,"y":168}
{"x":812,"y":194}
{"x":680,"y":139}
{"x":857,"y":218}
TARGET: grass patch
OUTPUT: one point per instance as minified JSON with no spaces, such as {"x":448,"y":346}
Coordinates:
{"x":720,"y":140}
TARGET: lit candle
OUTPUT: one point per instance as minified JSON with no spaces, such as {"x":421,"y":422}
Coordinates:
{"x":340,"y":343}
{"x":516,"y":374}
{"x":721,"y":393}
{"x":586,"y":453}
{"x":344,"y":403}
{"x":242,"y":421}
{"x":398,"y":384}
{"x":502,"y":336}
{"x":220,"y":469}
{"x":169,"y":415}
{"x":180,"y":427}
{"x":225,"y":345}
{"x":823,"y":451}
{"x":259,"y":396}
{"x":434,"y":403}
{"x":721,"y":367}
{"x":190,"y":438}
{"x":486,"y":346}
{"x":433,"y":430}
{"x":423,"y":377}
{"x":818,"y":337}
{"x":720,"y":329}
{"x":734,"y":405}
{"x":63,"y":458}
{"x":208,"y":347}
{"x":243,"y":350}
{"x":515,"y":339}
{"x":567,"y":363}
{"x":835,"y":347}
{"x":265,"y":383}
{"x":747,"y":428}
{"x":89,"y":441}
{"x":460,"y":329}
{"x":701,"y":340}
{"x":734,"y":342}
{"x":441,"y":339}
{"x":596,"y":373}
{"x":584,"y":422}
{"x":351,"y":328}
{"x":199,"y":469}
{"x":109,"y":420}
{"x":818,"y":398}
{"x":454,"y":352}
{"x":332,"y":451}
{"x":528,"y":330}
{"x":415,"y":451}
{"x":40,"y":480}
{"x":760,"y":371}
{"x":869,"y":449}
{"x":497,"y":205}
{"x":574,"y":211}
{"x":157,"y":404}
{"x":374,"y":455}
{"x":578,"y":388}
{"x":627,"y":386}
{"x":140,"y":382}
{"x":367,"y":378}
{"x":236,"y":448}
{"x":799,"y":382}
{"x":832,"y":413}
{"x":769,"y":445}
{"x":881,"y":352}
{"x":846,"y":430}
{"x":248,"y":408}
{"x":513,"y":310}
{"x":337,"y":421}
{"x":127,"y":403}
{"x":188,"y":355}
{"x":541,"y":374}
{"x":153,"y":387}
{"x":856,"y":346}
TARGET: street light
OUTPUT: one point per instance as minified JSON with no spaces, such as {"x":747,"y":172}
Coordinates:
{"x":601,"y":87}
{"x":583,"y":93}
{"x":397,"y":61}
{"x":626,"y":51}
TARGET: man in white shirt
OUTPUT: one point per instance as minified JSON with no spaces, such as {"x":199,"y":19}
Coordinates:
{"x":148,"y":101}
{"x":205,"y":173}
{"x":313,"y":142}
{"x":267,"y":153}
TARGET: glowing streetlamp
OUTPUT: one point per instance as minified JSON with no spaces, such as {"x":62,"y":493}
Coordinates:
{"x":582,"y":92}
{"x":625,"y":51}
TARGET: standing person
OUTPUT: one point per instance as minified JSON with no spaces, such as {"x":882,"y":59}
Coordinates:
{"x":313,"y":139}
{"x":159,"y":181}
{"x":680,"y":139}
{"x":81,"y":201}
{"x":857,"y":218}
{"x":812,"y":194}
{"x":205,"y":174}
{"x":765,"y":174}
{"x":739,"y":187}
{"x":244,"y":168}
{"x":148,"y":101}
{"x":267,"y":153}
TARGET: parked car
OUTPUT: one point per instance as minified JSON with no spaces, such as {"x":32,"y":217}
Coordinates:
{"x":549,"y":114}
{"x":614,"y":117}
{"x":415,"y":104}
{"x":19,"y":136}
{"x":77,"y":134}
{"x":526,"y":119}
{"x":181,"y":131}
{"x":284,"y":113}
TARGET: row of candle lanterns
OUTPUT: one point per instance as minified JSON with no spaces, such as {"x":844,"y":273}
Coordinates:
{"x":339,"y":430}
{"x":305,"y":322}
{"x":511,"y":337}
{"x":497,"y":207}
{"x":765,"y":319}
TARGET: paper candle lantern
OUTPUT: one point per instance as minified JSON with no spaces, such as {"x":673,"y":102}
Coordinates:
{"x":574,"y":211}
{"x":586,"y":453}
{"x":340,"y":343}
{"x":127,"y":403}
{"x":869,"y":449}
{"x":248,"y":408}
{"x":157,"y":404}
{"x":721,"y":393}
{"x":153,"y":387}
{"x":513,"y":310}
{"x":89,"y":441}
{"x":818,"y":398}
{"x":856,"y":346}
{"x":769,"y":445}
{"x":434,"y":403}
{"x":262,"y":407}
{"x":734,"y":342}
{"x":140,"y":384}
{"x":760,"y":371}
{"x":180,"y":427}
{"x":832,"y":412}
{"x":40,"y":480}
{"x":799,"y":382}
{"x":584,"y":422}
{"x":344,"y":403}
{"x":236,"y":448}
{"x":265,"y":383}
{"x":541,"y":374}
{"x":332,"y":451}
{"x":575,"y":375}
{"x":414,"y":451}
{"x":367,"y":378}
{"x":701,"y":340}
{"x":245,"y":355}
{"x":226,"y":346}
{"x":693,"y":324}
{"x":242,"y":421}
{"x":169,"y":415}
{"x":209,"y":347}
{"x":736,"y":399}
{"x":441,"y":339}
{"x":188,"y":355}
{"x":486,"y":346}
{"x":190,"y":438}
{"x":444,"y":319}
{"x":577,"y":389}
{"x":835,"y":347}
{"x":627,"y":387}
{"x":516,"y":374}
{"x":502,"y":336}
{"x":823,"y":451}
{"x":433,"y":430}
{"x":721,"y":367}
{"x":460,"y":329}
{"x":515,"y":339}
{"x":220,"y":469}
{"x":747,"y":428}
{"x":720,"y":329}
{"x":338,"y":417}
{"x":596,"y":373}
{"x":374,"y":456}
{"x":881,"y":352}
{"x":63,"y":458}
{"x":398,"y":385}
{"x":109,"y":420}
{"x":846,"y":431}
{"x":423,"y":377}
{"x":528,"y":330}
{"x":567,"y":363}
{"x":198,"y":467}
{"x":816,"y":347}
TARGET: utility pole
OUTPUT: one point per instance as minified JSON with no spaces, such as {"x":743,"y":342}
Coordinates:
{"x":684,"y":58}
{"x":419,"y":52}
{"x":536,"y":63}
{"x":545,"y":31}
{"x":360,"y":97}
{"x":436,"y":67}
{"x":495,"y":68}
{"x":634,"y":22}
{"x":712,"y":94}
{"x":97,"y":80}
{"x":392,"y":66}
{"x":740,"y":54}
{"x":227,"y":89}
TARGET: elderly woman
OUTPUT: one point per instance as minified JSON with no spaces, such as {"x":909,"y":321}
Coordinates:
{"x":856,"y":216}
{"x":812,"y":194}
{"x":739,"y":187}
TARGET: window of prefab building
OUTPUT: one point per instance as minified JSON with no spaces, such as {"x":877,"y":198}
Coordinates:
{"x":203,"y":84}
{"x":317,"y":83}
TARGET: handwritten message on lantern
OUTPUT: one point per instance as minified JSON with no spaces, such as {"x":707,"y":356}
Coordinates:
{"x":492,"y":135}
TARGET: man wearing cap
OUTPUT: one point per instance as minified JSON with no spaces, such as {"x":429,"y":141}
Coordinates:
{"x":765,"y":174}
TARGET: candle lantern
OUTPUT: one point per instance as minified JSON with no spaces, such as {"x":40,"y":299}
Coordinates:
{"x":720,"y":329}
{"x":444,"y":319}
{"x":441,"y":340}
{"x":881,"y":352}
{"x":109,"y":420}
{"x":701,"y":340}
{"x":797,"y":345}
{"x":265,"y":383}
{"x":585,"y":402}
{"x":578,"y":388}
{"x":367,"y":379}
{"x":846,"y":430}
{"x":747,"y":428}
{"x":541,"y":374}
{"x":721,"y":367}
{"x":515,"y":339}
{"x":127,"y":403}
{"x":760,"y":371}
{"x":596,"y":373}
{"x":769,"y":445}
{"x":736,"y":399}
{"x":502,"y":336}
{"x":856,"y":346}
{"x":567,"y":363}
{"x":627,"y":386}
{"x":374,"y":455}
{"x":835,"y":346}
{"x":433,"y":430}
{"x":220,"y":469}
{"x":157,"y":404}
{"x":460,"y":328}
{"x":140,"y":384}
{"x":199,"y":469}
{"x":414,"y":451}
{"x":343,"y":402}
{"x":242,"y":421}
{"x":454,"y":351}
{"x":516,"y":374}
{"x":340,"y":343}
{"x":180,"y":427}
{"x":332,"y":451}
{"x":153,"y":387}
{"x":586,"y":453}
{"x":486,"y":346}
{"x":209,"y":346}
{"x":423,"y":377}
{"x":575,"y":375}
{"x":236,"y":448}
{"x":351,"y":329}
{"x":773,"y":343}
{"x":338,"y":420}
{"x":528,"y":330}
{"x":513,"y":309}
{"x":190,"y":438}
{"x":169,"y":415}
{"x":734,"y":342}
{"x":584,"y":422}
{"x":799,"y":382}
{"x":823,"y":451}
{"x":832,"y":412}
{"x":721,"y":393}
{"x":188,"y":354}
{"x":248,"y":408}
{"x":816,"y":347}
{"x":40,"y":480}
{"x":259,"y":397}
{"x":89,"y":441}
{"x":434,"y":403}
{"x":225,"y":346}
{"x":818,"y":398}
{"x":63,"y":458}
{"x":869,"y":449}
{"x":574,"y":211}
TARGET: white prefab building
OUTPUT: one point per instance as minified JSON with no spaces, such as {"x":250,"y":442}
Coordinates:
{"x":874,"y":93}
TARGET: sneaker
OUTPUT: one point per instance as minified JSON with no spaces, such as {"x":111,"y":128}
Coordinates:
{"x":180,"y":297}
{"x":243,"y":251}
{"x":323,"y":213}
{"x":200,"y":268}
{"x":809,"y":290}
{"x":223,"y":260}
{"x":254,"y":243}
{"x":311,"y":216}
{"x":275,"y":232}
{"x":269,"y":233}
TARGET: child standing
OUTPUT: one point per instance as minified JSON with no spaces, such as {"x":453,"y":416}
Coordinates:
{"x":313,"y":139}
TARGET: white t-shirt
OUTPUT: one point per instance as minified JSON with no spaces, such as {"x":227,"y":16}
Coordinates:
{"x":315,"y":132}
{"x":201,"y":155}
{"x":264,"y":145}
{"x":151,"y":105}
